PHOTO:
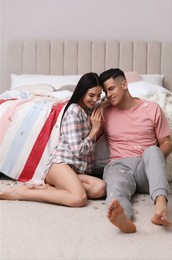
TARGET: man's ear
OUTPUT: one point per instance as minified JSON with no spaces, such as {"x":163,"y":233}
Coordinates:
{"x":125,"y":84}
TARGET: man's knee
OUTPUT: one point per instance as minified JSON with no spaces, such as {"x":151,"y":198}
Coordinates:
{"x":153,"y":152}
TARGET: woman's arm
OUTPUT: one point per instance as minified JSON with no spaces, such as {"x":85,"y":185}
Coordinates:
{"x":78,"y":133}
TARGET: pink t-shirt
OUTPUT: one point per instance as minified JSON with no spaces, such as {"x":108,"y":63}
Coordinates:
{"x":130,"y":132}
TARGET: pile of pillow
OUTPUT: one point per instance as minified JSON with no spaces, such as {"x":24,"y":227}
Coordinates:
{"x":53,"y":82}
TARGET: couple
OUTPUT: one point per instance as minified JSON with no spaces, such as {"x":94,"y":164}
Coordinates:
{"x":138,"y":136}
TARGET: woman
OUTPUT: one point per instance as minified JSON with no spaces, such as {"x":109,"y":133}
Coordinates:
{"x":66,"y":180}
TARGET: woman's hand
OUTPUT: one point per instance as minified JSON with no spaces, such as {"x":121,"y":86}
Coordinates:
{"x":96,"y":123}
{"x":104,"y":104}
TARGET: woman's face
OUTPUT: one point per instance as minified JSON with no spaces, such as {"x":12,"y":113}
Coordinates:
{"x":91,"y":97}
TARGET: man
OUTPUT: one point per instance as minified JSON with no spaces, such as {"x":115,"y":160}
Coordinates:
{"x":138,"y":136}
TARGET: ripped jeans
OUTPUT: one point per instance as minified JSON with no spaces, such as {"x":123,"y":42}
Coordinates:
{"x":146,"y":175}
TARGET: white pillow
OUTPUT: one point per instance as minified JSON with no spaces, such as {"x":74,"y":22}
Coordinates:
{"x":60,"y":95}
{"x":153,"y":78}
{"x":143,"y":89}
{"x":19,"y":94}
{"x":54,"y":80}
{"x":36,"y":88}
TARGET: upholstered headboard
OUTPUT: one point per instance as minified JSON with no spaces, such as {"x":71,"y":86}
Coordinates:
{"x":77,"y":57}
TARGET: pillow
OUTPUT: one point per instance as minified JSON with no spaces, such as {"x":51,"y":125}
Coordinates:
{"x":101,"y":152}
{"x":132,"y":76}
{"x":36,"y":88}
{"x":19,"y":94}
{"x":67,"y":87}
{"x":153,"y":78}
{"x":143,"y":89}
{"x":60,"y":95}
{"x":53,"y":80}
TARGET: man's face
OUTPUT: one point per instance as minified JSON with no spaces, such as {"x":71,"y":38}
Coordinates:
{"x":115,"y":90}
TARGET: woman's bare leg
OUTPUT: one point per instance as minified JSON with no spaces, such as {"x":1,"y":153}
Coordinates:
{"x":118,"y":217}
{"x":39,"y":187}
{"x":161,"y":212}
{"x":95,"y":187}
{"x":68,"y":189}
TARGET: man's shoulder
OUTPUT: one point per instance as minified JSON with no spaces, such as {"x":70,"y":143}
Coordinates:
{"x":149,"y":103}
{"x":109,"y":109}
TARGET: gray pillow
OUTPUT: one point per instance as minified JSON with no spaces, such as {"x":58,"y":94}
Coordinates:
{"x":67,"y":87}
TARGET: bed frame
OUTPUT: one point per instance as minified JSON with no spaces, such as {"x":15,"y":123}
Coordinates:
{"x":77,"y":57}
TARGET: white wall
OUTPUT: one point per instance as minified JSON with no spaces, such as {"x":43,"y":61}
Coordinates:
{"x":83,"y":19}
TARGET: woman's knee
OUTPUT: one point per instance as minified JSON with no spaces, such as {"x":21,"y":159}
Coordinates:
{"x":101,"y":189}
{"x":98,"y":190}
{"x":79,"y":200}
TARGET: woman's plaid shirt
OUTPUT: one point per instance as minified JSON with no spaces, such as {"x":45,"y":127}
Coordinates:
{"x":75,"y":148}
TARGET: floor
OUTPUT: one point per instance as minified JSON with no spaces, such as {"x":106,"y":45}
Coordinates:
{"x":40,"y":231}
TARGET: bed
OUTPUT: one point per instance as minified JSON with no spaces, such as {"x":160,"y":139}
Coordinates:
{"x":43,"y":75}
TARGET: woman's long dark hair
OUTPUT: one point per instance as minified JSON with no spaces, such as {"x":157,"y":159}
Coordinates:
{"x":87,"y":81}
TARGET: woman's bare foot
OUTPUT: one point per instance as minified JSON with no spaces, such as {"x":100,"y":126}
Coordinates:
{"x":161,"y":213}
{"x":14,"y":193}
{"x":20,"y":191}
{"x":117,"y":217}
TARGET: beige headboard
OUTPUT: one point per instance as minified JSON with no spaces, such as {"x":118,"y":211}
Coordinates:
{"x":77,"y":57}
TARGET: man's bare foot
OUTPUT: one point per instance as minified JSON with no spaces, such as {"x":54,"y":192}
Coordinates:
{"x":161,"y":213}
{"x":14,"y":193}
{"x":116,"y":215}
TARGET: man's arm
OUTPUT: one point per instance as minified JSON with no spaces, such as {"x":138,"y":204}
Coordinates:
{"x":165,"y":145}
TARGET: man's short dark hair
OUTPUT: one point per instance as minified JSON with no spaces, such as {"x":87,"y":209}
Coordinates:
{"x":112,"y":73}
